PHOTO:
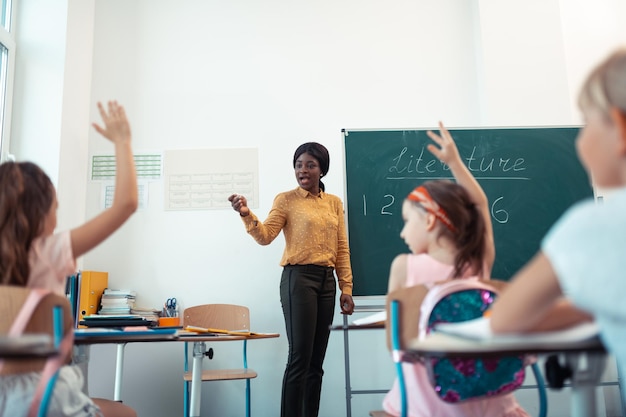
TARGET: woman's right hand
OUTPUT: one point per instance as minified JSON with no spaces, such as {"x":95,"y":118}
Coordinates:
{"x":240,"y":204}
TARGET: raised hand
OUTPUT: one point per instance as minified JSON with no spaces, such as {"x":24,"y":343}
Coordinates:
{"x":447,"y":151}
{"x":116,"y":127}
{"x":125,"y":199}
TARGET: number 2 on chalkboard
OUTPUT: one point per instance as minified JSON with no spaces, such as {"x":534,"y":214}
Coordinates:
{"x":383,"y":210}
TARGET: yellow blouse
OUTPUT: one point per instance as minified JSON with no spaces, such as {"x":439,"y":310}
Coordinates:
{"x":314,"y":229}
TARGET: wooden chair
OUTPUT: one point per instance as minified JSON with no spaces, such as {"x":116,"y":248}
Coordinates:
{"x":51,"y":314}
{"x":224,"y":317}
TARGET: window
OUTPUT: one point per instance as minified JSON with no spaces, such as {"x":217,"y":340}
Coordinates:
{"x":7,"y":64}
{"x":5,"y":19}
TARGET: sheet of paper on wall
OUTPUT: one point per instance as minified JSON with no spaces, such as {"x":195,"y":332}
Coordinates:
{"x":149,"y":166}
{"x":108,"y":191}
{"x":203,"y":179}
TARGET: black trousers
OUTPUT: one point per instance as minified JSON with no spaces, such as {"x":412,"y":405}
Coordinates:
{"x":307,"y":294}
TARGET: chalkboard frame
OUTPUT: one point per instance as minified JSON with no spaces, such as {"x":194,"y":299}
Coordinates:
{"x":557,"y":155}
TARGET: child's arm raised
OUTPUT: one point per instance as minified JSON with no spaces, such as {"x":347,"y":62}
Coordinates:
{"x":117,"y":130}
{"x":448,"y":153}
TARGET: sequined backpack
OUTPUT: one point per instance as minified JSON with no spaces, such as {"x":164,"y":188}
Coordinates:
{"x":457,"y":379}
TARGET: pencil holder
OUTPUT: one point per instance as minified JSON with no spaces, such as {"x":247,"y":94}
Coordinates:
{"x":169,"y":321}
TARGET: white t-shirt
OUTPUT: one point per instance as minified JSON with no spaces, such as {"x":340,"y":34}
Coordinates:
{"x":587,"y":249}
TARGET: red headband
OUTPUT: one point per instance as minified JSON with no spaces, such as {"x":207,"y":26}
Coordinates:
{"x":420,"y":195}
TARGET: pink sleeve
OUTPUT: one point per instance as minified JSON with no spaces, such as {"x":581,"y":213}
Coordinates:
{"x":51,"y":262}
{"x":423,"y":269}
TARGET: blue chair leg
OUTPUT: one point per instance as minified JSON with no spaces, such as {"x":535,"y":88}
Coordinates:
{"x":541,"y":388}
{"x":395,"y":342}
{"x":245,"y":365}
{"x":57,"y":325}
{"x":186,"y":383}
{"x":247,"y":398}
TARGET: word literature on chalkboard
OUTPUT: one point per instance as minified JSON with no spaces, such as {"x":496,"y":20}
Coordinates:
{"x":530,"y":175}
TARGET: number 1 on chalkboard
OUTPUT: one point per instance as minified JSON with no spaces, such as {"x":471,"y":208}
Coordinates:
{"x":364,"y":206}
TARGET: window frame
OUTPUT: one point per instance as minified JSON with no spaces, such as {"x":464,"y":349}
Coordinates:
{"x":7,"y":39}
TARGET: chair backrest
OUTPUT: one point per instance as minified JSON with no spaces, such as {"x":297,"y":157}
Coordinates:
{"x":410,"y":300}
{"x":218,"y":316}
{"x":12,"y":298}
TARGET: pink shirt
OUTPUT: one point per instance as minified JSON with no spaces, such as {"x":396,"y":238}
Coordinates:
{"x":51,"y":262}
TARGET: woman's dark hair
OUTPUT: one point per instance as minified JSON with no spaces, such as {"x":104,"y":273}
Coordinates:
{"x":26,"y":198}
{"x":468,"y":222}
{"x":317,"y":151}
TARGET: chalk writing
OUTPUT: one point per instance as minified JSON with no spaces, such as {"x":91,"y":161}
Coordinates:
{"x":498,"y":213}
{"x":386,"y":206}
{"x":425,"y":163}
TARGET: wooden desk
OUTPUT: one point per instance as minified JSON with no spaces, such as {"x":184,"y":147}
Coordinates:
{"x":27,"y":346}
{"x":586,"y":359}
{"x":94,"y":336}
{"x":199,"y":349}
{"x":90,"y":337}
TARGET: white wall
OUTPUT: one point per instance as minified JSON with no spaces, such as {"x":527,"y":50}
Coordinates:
{"x":523,"y":64}
{"x":271,"y":75}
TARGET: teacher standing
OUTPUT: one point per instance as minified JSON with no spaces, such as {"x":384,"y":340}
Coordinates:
{"x":316,"y":245}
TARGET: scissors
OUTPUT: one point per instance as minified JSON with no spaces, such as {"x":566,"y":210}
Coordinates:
{"x":170,"y":303}
{"x":170,"y":307}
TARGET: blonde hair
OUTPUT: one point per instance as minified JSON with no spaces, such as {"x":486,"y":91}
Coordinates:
{"x":605,"y":86}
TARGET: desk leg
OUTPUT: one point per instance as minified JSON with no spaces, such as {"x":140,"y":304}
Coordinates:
{"x":620,"y":381}
{"x":587,"y":369}
{"x":119,"y":369}
{"x":346,"y":359}
{"x":199,"y":349}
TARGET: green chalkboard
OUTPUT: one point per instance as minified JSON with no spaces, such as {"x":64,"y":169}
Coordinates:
{"x":530,"y":175}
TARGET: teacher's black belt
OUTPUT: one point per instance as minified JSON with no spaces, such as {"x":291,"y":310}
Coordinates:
{"x":311,"y":268}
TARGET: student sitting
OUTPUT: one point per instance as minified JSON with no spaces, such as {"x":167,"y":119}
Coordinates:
{"x":32,"y":255}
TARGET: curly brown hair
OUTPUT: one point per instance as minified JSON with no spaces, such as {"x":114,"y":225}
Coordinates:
{"x":26,"y":198}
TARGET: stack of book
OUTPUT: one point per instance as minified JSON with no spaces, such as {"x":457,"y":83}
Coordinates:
{"x":150,"y":314}
{"x":117,"y":302}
